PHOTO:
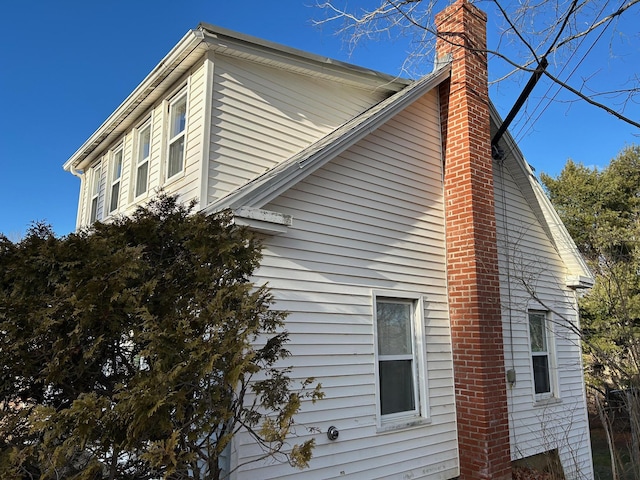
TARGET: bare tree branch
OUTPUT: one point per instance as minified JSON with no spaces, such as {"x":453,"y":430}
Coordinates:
{"x":531,"y":30}
{"x":590,"y":101}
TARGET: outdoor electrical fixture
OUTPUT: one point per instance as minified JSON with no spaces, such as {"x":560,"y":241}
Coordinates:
{"x":332,"y":433}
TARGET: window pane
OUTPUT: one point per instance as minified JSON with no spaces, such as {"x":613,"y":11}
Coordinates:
{"x":144,"y":146}
{"x":141,"y":179}
{"x":394,"y":328}
{"x":538,"y":333}
{"x":178,"y":117}
{"x":396,"y":386}
{"x":117,"y":166}
{"x":176,"y":157}
{"x":541,"y":374}
{"x":94,"y":210}
{"x":115,"y":191}
{"x":95,"y":187}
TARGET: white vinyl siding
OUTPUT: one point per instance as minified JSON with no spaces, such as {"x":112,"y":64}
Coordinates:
{"x":371,"y":220}
{"x":116,"y":175}
{"x":262,"y":116}
{"x":560,"y":421}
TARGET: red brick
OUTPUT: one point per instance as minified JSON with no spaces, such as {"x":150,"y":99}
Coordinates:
{"x":472,"y":263}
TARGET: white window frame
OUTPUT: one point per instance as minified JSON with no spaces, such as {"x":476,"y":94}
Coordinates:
{"x":420,"y":414}
{"x":116,"y":179}
{"x":548,"y":350}
{"x":94,"y":193}
{"x":175,"y":137}
{"x":142,"y":161}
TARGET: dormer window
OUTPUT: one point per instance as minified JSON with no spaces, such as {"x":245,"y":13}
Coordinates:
{"x":95,"y":193}
{"x":177,"y":126}
{"x":142,"y":159}
{"x":116,"y":174}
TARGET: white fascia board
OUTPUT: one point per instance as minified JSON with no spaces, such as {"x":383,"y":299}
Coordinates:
{"x":189,"y":48}
{"x":578,"y":281}
{"x":229,"y":42}
{"x":262,"y":221}
{"x":261,"y":190}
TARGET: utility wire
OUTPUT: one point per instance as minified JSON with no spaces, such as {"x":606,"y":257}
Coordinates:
{"x":528,"y":123}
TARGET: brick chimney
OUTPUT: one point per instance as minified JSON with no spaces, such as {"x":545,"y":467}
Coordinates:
{"x":472,"y":257}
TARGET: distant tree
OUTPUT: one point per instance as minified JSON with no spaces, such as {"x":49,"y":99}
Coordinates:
{"x":601,"y":210}
{"x":138,"y":349}
{"x":529,"y":34}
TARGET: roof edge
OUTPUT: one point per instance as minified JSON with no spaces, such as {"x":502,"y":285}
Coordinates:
{"x":206,"y":36}
{"x":191,"y":40}
{"x":220,"y":35}
{"x":580,"y":275}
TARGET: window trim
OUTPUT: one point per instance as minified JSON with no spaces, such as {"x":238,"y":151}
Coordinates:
{"x":119,"y":150}
{"x":139,"y":161}
{"x":180,"y":96}
{"x":419,"y":415}
{"x":550,"y":353}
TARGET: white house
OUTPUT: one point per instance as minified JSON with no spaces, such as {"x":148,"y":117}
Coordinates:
{"x":431,"y":288}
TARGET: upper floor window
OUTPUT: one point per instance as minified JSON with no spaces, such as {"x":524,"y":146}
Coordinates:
{"x":142,"y":159}
{"x":116,"y":174}
{"x":400,"y":359}
{"x":177,"y":125}
{"x":96,"y":173}
{"x":541,"y":341}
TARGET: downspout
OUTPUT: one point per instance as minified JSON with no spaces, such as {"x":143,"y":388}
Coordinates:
{"x":81,"y":176}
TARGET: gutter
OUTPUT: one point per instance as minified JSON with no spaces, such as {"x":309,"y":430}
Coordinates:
{"x":143,"y":96}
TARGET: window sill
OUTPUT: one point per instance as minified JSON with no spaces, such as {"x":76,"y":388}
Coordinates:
{"x":140,"y":198}
{"x":402,"y":424}
{"x":545,"y":402}
{"x":174,"y":178}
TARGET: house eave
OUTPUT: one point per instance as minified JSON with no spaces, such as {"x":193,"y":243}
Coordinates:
{"x":228,"y":42}
{"x":579,"y":281}
{"x":173,"y":66}
{"x":262,"y":221}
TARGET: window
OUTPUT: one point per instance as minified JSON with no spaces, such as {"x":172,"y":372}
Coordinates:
{"x":142,"y":159}
{"x":400,"y":359}
{"x":116,"y":173}
{"x":541,"y":340}
{"x":177,"y":124}
{"x":95,"y":193}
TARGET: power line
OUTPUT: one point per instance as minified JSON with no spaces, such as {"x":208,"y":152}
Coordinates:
{"x":528,"y":123}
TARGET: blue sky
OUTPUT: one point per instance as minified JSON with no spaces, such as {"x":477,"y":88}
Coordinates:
{"x":67,"y":64}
